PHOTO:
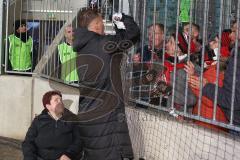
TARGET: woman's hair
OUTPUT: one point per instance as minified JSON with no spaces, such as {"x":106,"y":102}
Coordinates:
{"x":86,"y":15}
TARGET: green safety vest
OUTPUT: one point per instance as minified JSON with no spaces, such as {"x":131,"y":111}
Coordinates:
{"x":68,"y":63}
{"x":20,"y":53}
{"x":185,"y":10}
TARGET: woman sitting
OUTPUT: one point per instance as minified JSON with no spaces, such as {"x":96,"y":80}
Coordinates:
{"x":48,"y":136}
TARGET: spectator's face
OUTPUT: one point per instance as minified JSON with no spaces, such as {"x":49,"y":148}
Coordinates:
{"x":233,"y":33}
{"x":171,"y":46}
{"x":97,"y":25}
{"x":234,"y":27}
{"x":22,"y":29}
{"x":186,"y":29}
{"x":56,"y":105}
{"x":69,"y":32}
{"x":233,"y":36}
{"x":195,"y":32}
{"x":158,"y":36}
{"x":214,"y":43}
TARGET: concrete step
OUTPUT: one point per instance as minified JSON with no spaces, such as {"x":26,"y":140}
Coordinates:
{"x":10,"y":149}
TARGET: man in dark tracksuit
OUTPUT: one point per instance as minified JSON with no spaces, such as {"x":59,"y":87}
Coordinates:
{"x":103,"y":127}
{"x":225,"y":92}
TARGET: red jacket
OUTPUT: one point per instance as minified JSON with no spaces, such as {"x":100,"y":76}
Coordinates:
{"x":170,"y":67}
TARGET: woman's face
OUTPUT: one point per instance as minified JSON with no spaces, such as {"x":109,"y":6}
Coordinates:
{"x":195,"y":32}
{"x":56,"y":105}
{"x":171,"y":46}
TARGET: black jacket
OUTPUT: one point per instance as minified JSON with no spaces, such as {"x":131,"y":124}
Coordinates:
{"x":104,"y":133}
{"x":49,"y":139}
{"x":225,"y":92}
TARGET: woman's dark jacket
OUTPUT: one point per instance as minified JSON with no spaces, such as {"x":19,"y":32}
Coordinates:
{"x":49,"y":139}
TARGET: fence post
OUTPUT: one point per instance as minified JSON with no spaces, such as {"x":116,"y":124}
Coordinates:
{"x":1,"y":34}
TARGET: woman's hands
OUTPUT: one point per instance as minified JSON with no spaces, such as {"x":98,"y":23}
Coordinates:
{"x":193,"y":80}
{"x":189,"y":68}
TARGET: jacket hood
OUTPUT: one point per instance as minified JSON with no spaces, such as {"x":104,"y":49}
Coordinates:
{"x":81,"y":37}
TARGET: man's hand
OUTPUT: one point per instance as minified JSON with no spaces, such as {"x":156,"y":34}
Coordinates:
{"x":64,"y":157}
{"x":189,"y":68}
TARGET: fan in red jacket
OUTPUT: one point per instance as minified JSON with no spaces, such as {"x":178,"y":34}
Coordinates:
{"x":211,"y":55}
{"x":181,"y":52}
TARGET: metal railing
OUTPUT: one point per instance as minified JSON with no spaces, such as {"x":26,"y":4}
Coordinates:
{"x":1,"y":32}
{"x":45,"y":21}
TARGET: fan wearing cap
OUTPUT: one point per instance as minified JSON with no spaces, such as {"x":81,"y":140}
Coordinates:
{"x":20,"y":47}
{"x":48,"y":136}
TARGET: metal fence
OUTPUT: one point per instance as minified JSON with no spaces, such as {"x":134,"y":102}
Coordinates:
{"x":211,"y":19}
{"x":1,"y":24}
{"x":44,"y":21}
{"x":48,"y":22}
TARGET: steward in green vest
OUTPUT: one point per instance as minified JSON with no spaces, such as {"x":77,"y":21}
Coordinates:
{"x":185,"y":10}
{"x":20,"y":48}
{"x":68,"y":58}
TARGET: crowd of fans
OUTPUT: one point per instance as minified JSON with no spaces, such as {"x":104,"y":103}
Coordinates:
{"x":185,"y":52}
